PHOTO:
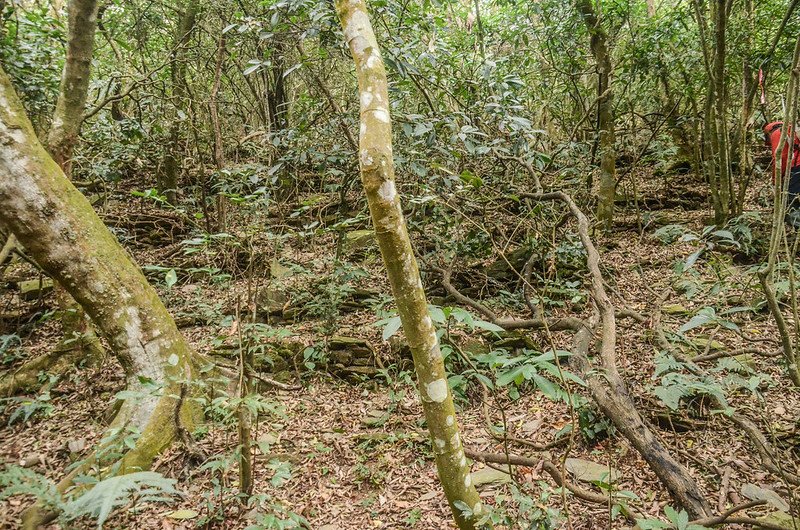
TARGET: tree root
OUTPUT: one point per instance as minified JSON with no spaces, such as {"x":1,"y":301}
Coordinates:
{"x":57,"y":362}
{"x":551,"y":469}
{"x":158,"y":429}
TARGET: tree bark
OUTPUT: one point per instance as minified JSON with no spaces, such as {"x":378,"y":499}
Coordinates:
{"x":219,"y":148}
{"x":79,"y":340}
{"x":63,"y":134}
{"x":186,"y":23}
{"x":377,"y":175}
{"x":58,"y":227}
{"x":605,"y":114}
{"x":723,"y":185}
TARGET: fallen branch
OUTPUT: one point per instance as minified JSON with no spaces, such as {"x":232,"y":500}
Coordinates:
{"x":551,"y":469}
{"x":273,"y":382}
{"x":554,"y":324}
{"x":724,"y":517}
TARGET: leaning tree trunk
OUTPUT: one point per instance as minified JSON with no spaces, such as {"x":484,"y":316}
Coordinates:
{"x":186,"y":22}
{"x":377,"y":176}
{"x":605,"y":115}
{"x":79,"y":340}
{"x":58,"y":227}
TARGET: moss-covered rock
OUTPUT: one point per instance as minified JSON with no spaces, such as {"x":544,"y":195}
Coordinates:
{"x":33,"y":289}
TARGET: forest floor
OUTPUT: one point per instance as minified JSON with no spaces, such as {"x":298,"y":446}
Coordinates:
{"x":353,"y":455}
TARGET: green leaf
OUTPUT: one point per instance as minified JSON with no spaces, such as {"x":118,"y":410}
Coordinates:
{"x":670,"y":395}
{"x":651,"y":524}
{"x":111,"y":493}
{"x":507,"y":377}
{"x":703,"y":317}
{"x":691,"y":260}
{"x":488,"y":326}
{"x":671,"y":514}
{"x":437,"y":315}
{"x":548,"y":388}
{"x":182,"y":514}
{"x":249,"y":70}
{"x":392,"y":326}
{"x":171,"y":278}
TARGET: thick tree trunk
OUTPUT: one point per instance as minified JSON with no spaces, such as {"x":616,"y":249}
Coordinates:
{"x":377,"y":175}
{"x":186,"y":22}
{"x":605,"y":114}
{"x":58,"y":227}
{"x":68,"y":115}
{"x":79,"y":340}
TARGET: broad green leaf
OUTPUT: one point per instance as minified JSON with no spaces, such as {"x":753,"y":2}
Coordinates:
{"x":171,"y":278}
{"x":392,"y":326}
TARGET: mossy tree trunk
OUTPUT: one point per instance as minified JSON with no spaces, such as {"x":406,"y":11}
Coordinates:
{"x":722,"y":184}
{"x":79,"y":341}
{"x":605,"y":114}
{"x":377,"y":175}
{"x":63,"y":134}
{"x":186,"y":22}
{"x":219,"y":148}
{"x":716,"y":144}
{"x":60,"y":230}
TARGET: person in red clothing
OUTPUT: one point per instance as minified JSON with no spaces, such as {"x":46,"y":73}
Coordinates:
{"x":772,"y":136}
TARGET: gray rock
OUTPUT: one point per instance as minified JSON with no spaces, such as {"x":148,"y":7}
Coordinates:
{"x":588,"y":471}
{"x":33,"y":289}
{"x":490,"y":475}
{"x":757,"y":493}
{"x":357,"y":242}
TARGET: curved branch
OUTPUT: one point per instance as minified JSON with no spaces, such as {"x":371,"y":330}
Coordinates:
{"x":554,"y":324}
{"x":550,"y":468}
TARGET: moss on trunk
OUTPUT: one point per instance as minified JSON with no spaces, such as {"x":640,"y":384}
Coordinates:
{"x":68,"y":115}
{"x":377,"y":175}
{"x":605,"y":114}
{"x":61,"y":231}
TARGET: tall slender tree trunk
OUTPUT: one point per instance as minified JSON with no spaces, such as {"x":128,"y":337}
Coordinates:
{"x":173,"y":155}
{"x":79,"y":340}
{"x":749,"y":83}
{"x":219,"y":148}
{"x":723,"y":186}
{"x":716,"y":145}
{"x":605,"y":114}
{"x":377,"y":175}
{"x":277,"y":96}
{"x":63,"y":135}
{"x":58,"y":227}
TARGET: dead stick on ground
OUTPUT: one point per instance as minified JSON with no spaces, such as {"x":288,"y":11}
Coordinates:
{"x":551,"y":469}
